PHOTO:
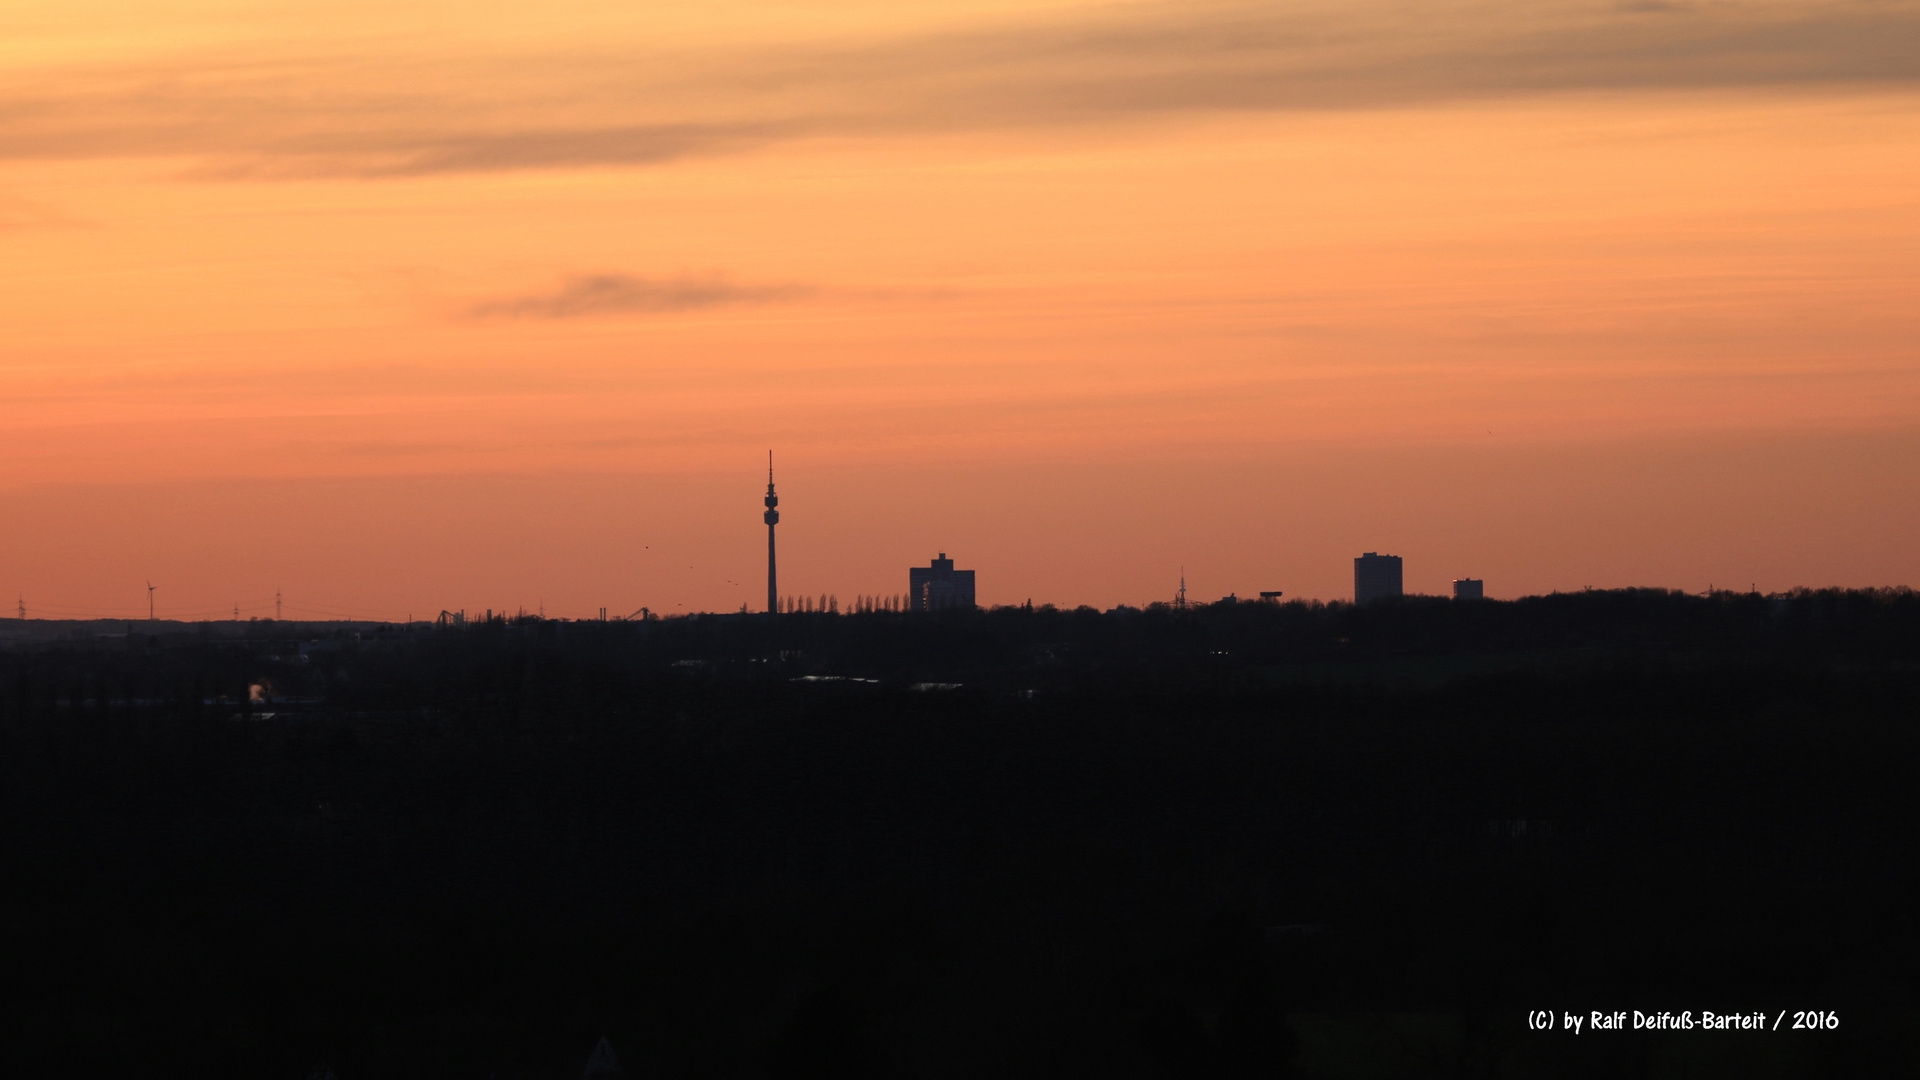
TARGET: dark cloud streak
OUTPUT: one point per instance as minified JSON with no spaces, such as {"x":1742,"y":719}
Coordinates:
{"x":1109,"y":66}
{"x":622,"y":294}
{"x":638,"y":144}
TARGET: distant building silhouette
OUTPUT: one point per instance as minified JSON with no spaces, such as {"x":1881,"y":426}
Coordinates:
{"x":1375,"y":576}
{"x":1469,"y":588}
{"x":930,"y":588}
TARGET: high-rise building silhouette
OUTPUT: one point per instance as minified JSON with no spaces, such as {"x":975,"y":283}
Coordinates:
{"x":1469,"y":588}
{"x":930,"y":588}
{"x":772,"y":518}
{"x":1375,"y":576}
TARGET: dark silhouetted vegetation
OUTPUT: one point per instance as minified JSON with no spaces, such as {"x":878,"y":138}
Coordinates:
{"x":1249,"y":840}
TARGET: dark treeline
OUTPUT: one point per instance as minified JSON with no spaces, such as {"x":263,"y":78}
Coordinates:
{"x":1249,"y":840}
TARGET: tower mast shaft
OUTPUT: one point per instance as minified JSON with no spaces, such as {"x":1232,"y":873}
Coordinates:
{"x":772,"y":518}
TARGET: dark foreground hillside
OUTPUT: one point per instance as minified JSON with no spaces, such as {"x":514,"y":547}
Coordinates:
{"x":1241,"y":841}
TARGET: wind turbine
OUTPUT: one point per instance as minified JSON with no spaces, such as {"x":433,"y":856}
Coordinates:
{"x":150,"y":588}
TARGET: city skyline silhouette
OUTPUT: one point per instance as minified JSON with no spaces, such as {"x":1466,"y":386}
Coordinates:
{"x":782,"y":540}
{"x":679,"y":545}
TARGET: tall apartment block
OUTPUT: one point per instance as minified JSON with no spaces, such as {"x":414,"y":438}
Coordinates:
{"x":1375,"y":576}
{"x":1469,"y":588}
{"x":930,"y":588}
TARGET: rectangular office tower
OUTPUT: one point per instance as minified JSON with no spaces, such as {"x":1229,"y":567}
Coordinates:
{"x":930,"y":588}
{"x":1375,"y":576}
{"x":1469,"y":588}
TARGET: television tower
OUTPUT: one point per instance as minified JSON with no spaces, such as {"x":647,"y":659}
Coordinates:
{"x":772,"y":518}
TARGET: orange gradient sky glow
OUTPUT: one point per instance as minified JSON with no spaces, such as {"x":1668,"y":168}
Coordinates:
{"x":406,"y":306}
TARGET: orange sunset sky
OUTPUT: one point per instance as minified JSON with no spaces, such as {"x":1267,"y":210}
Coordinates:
{"x":403,"y":306}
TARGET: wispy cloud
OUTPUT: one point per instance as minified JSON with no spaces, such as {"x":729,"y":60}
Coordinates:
{"x":18,"y":213}
{"x":401,"y":155}
{"x":622,"y":105}
{"x":622,"y":294}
